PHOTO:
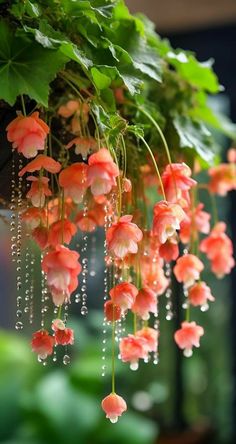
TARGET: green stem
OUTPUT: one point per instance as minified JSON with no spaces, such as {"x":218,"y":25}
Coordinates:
{"x":135,"y":323}
{"x":214,"y":208}
{"x":59,"y":312}
{"x":113,"y":355}
{"x":159,"y":131}
{"x":187,"y":318}
{"x":156,"y":167}
{"x":23,"y":105}
{"x":62,"y":215}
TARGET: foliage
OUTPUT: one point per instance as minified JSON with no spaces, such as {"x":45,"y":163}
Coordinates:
{"x":99,"y":46}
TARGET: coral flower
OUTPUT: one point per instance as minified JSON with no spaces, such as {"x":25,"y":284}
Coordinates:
{"x":133,"y":348}
{"x":62,"y":335}
{"x":145,"y":303}
{"x":27,"y":134}
{"x":102,"y":172}
{"x":127,"y":185}
{"x":150,"y":335}
{"x":83,"y":146}
{"x":62,"y":268}
{"x":169,"y":251}
{"x":188,"y":336}
{"x":187,"y":269}
{"x":219,"y":249}
{"x":124,"y":295}
{"x":195,"y":221}
{"x":166,"y":220}
{"x":33,"y":217}
{"x":38,"y":191}
{"x":69,"y":108}
{"x":200,"y":294}
{"x":222,"y":179}
{"x":177,"y":181}
{"x":231,"y":155}
{"x":61,"y":231}
{"x":41,"y":161}
{"x":42,"y":343}
{"x":86,"y":222}
{"x":40,"y":235}
{"x":153,"y":275}
{"x":112,"y":311}
{"x":113,"y":405}
{"x":74,"y":181}
{"x":123,"y":236}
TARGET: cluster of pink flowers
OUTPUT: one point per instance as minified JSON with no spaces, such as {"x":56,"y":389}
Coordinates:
{"x":66,"y":197}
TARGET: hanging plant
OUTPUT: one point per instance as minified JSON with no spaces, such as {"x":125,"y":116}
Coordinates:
{"x":105,"y":111}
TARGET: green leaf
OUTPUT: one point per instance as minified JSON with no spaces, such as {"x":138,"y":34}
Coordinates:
{"x":195,"y":136}
{"x":102,"y":81}
{"x":212,"y":118}
{"x":196,"y":73}
{"x":49,"y":38}
{"x":26,"y":67}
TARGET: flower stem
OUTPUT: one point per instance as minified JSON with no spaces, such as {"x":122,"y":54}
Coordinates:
{"x":113,"y":354}
{"x":156,"y":167}
{"x":23,"y":105}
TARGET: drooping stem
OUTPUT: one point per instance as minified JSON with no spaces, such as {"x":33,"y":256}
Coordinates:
{"x":62,"y":215}
{"x":23,"y":105}
{"x":159,"y":131}
{"x":214,"y":208}
{"x":113,"y":353}
{"x":155,"y":166}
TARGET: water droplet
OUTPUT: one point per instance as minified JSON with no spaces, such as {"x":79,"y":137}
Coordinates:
{"x":19,"y":325}
{"x":66,"y":359}
{"x":84,"y":310}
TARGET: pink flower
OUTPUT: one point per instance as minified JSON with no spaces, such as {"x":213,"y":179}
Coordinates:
{"x":86,"y":222}
{"x":42,"y":343}
{"x":188,"y":336}
{"x":112,"y":312}
{"x":194,"y":222}
{"x":27,"y":134}
{"x":114,"y":405}
{"x":153,"y":275}
{"x":41,"y":161}
{"x":40,"y":236}
{"x":169,"y":251}
{"x":38,"y":191}
{"x":219,"y":249}
{"x":132,"y":349}
{"x":69,"y":108}
{"x":150,"y":335}
{"x":122,"y":237}
{"x":62,"y":268}
{"x":166,"y":220}
{"x":102,"y":172}
{"x":61,"y":231}
{"x":74,"y":181}
{"x":200,"y":294}
{"x":123,"y":295}
{"x":83,"y":146}
{"x":222,"y":179}
{"x":145,"y":303}
{"x":231,"y":155}
{"x":127,"y":185}
{"x":63,"y":335}
{"x":33,"y":217}
{"x":177,"y":182}
{"x":187,"y":269}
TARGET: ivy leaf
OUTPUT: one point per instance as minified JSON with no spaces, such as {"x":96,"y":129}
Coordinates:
{"x":26,"y":67}
{"x":195,"y":136}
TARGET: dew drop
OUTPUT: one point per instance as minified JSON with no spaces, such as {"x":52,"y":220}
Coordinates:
{"x":66,"y":359}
